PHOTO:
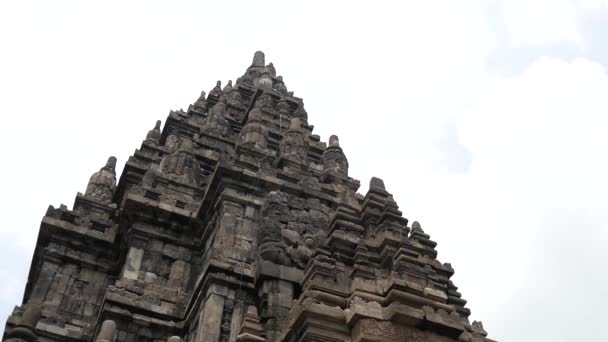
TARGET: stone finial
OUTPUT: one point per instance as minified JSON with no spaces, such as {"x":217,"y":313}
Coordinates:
{"x":416,"y":226}
{"x":111,"y":164}
{"x":217,"y":90}
{"x":265,"y":81}
{"x":295,"y":142}
{"x":153,"y":135}
{"x":280,"y":86}
{"x":478,"y":329}
{"x":272,"y":70}
{"x":26,"y":328}
{"x":377,"y":183}
{"x":201,"y":103}
{"x":251,"y":329}
{"x":174,"y":339}
{"x":334,"y":160}
{"x":107,"y":332}
{"x":258,"y":59}
{"x":334,"y":141}
{"x":301,"y":112}
{"x":103,"y":182}
{"x":228,"y":87}
{"x":254,"y":133}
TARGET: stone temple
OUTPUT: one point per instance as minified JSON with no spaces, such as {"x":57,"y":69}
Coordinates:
{"x":235,"y":223}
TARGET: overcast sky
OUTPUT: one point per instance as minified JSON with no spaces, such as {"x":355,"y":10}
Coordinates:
{"x":486,"y":120}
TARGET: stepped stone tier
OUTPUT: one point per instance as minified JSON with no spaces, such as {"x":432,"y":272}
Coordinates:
{"x":235,"y":223}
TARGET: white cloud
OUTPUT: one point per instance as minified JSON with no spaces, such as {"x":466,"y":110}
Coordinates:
{"x":541,"y":22}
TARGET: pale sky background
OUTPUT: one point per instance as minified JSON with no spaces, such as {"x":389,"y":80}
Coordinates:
{"x":486,"y":120}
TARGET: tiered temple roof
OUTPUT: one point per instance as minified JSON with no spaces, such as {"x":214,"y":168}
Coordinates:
{"x":234,"y":222}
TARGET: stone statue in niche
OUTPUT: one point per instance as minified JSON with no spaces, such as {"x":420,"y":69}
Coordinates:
{"x":182,"y":165}
{"x":102,"y":183}
{"x":295,"y":143}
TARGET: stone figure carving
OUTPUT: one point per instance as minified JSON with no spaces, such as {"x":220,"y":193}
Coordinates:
{"x":334,"y":160}
{"x":295,"y":143}
{"x":254,"y":134}
{"x":153,"y":135}
{"x":277,"y":241}
{"x":102,"y":183}
{"x":172,"y":142}
{"x":275,"y":214}
{"x":182,"y":164}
